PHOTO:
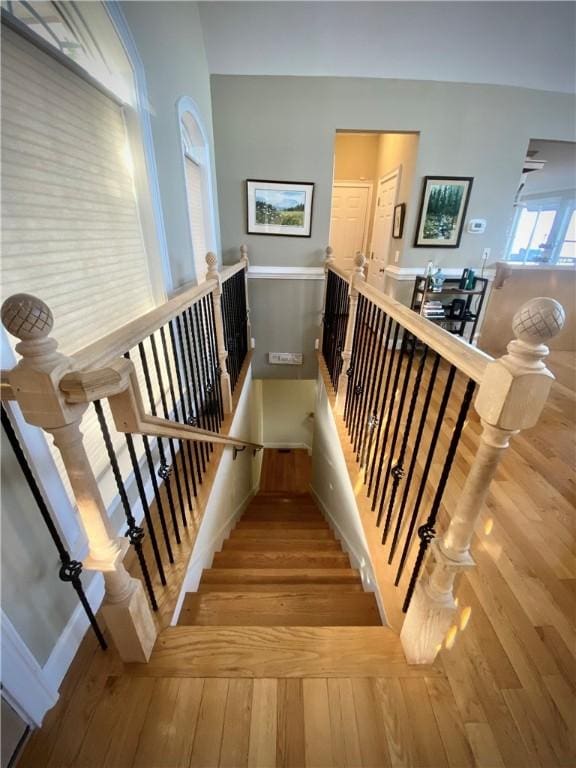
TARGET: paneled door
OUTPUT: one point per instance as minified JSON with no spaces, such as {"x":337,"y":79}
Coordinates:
{"x":349,"y":221}
{"x":382,"y":229}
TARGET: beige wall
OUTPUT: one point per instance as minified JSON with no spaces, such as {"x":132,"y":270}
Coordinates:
{"x":525,"y":284}
{"x":287,"y":406}
{"x":355,"y":156}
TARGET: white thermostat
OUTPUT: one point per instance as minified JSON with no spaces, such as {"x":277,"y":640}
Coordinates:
{"x":476,"y":226}
{"x":285,"y":358}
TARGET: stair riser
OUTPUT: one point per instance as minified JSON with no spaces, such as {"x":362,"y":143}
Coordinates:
{"x":313,"y":589}
{"x":245,"y":532}
{"x":280,"y":560}
{"x":281,"y":576}
{"x":292,"y":545}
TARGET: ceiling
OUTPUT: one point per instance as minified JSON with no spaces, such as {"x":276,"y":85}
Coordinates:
{"x":528,"y":44}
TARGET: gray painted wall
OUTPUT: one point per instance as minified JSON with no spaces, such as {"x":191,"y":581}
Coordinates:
{"x":283,"y":128}
{"x":169,"y":39}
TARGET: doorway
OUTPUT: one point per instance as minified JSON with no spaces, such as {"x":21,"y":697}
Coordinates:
{"x":373,"y":172}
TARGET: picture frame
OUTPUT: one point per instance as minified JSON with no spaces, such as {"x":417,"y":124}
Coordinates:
{"x":282,"y":208}
{"x":442,"y":211}
{"x":399,"y":216}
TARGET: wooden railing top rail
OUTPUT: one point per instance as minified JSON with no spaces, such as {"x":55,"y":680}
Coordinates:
{"x":100,"y":353}
{"x":455,"y":350}
{"x":468,"y":359}
{"x":339,"y":271}
{"x":227,"y":272}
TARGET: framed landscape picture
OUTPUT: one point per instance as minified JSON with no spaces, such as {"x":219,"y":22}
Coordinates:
{"x":442,"y":211}
{"x":279,"y":208}
{"x":398,"y":224}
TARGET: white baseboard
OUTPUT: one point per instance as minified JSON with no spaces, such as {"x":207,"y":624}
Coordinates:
{"x":203,"y":558}
{"x":69,"y":641}
{"x":24,"y":685}
{"x":359,"y":561}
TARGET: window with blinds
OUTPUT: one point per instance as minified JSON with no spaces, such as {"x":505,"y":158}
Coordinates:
{"x":71,"y":232}
{"x":197,"y":215}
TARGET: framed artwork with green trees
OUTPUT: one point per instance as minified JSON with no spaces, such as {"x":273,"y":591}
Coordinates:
{"x":279,"y":208}
{"x":442,"y":211}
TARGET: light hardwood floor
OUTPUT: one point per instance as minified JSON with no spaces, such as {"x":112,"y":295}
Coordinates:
{"x":504,"y":695}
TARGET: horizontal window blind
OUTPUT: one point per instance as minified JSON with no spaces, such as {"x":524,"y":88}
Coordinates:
{"x":71,"y":232}
{"x":196,"y":213}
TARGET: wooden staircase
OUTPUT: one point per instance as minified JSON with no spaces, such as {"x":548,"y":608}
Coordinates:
{"x":282,"y":566}
{"x":280,"y":601}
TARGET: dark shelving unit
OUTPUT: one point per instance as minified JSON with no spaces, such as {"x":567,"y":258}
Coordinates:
{"x":465,"y":325}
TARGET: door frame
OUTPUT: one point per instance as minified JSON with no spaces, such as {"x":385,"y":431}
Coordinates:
{"x":369,"y":185}
{"x":397,"y":172}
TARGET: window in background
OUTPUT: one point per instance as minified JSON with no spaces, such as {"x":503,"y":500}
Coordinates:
{"x":197,"y":170}
{"x":544,"y":232}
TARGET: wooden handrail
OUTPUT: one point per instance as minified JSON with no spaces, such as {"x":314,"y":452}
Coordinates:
{"x":227,"y":272}
{"x":108,"y":348}
{"x":468,"y":359}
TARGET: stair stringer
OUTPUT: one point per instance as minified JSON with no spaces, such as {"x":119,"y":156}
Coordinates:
{"x":330,"y":477}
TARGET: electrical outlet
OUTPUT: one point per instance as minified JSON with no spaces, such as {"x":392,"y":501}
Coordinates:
{"x":486,"y":254}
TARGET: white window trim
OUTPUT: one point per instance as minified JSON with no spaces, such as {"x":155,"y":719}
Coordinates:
{"x":563,"y":202}
{"x":187,"y":105}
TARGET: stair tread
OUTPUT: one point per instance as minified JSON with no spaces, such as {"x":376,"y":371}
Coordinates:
{"x":268,"y":559}
{"x":283,"y":534}
{"x":284,"y":515}
{"x":279,"y":652}
{"x":281,"y":575}
{"x":281,"y":545}
{"x":280,"y":609}
{"x":276,"y":586}
{"x":284,"y":524}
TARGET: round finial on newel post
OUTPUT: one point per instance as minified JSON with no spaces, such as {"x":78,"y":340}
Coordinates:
{"x":27,"y":317}
{"x":359,"y":262}
{"x":534,"y":323}
{"x":212,"y":264}
{"x":538,"y":320}
{"x":244,"y":255}
{"x":329,"y":258}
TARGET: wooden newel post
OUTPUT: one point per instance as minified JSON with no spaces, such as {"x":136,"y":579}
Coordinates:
{"x":356,"y":277}
{"x":245,"y":261}
{"x":225,"y":388}
{"x":35,"y":384}
{"x":510,"y":398}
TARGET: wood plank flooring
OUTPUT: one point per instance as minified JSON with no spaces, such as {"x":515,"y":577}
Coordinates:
{"x":504,"y":695}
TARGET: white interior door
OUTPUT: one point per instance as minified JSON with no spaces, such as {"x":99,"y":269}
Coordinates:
{"x":349,"y":222}
{"x":382,"y":229}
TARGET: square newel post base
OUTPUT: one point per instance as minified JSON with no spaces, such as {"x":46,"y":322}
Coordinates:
{"x":131,"y":624}
{"x":428,"y":620}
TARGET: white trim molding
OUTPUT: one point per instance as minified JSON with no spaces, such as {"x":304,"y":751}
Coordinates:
{"x":69,"y":641}
{"x":24,"y":684}
{"x":286,"y":273}
{"x":410,"y":273}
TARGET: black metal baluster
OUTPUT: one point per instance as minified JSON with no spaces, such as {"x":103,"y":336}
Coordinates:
{"x":228,"y":333}
{"x":397,"y":471}
{"x":195,"y":380}
{"x":134,"y":532}
{"x":70,"y":570}
{"x":351,"y":365}
{"x":156,"y":489}
{"x":165,"y":471}
{"x":327,"y":322}
{"x":186,"y":417}
{"x":199,"y":341}
{"x":243,"y":315}
{"x":380,"y":405}
{"x":145,"y":507}
{"x":343,"y":312}
{"x":174,"y":469}
{"x":212,"y":362}
{"x":215,"y":357}
{"x":359,"y":369}
{"x":183,"y":453}
{"x":377,"y":376}
{"x":188,"y":364}
{"x":424,"y":478}
{"x":390,"y":412}
{"x":415,"y":451}
{"x":426,"y":532}
{"x":396,"y":431}
{"x":370,"y":342}
{"x":357,"y":349}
